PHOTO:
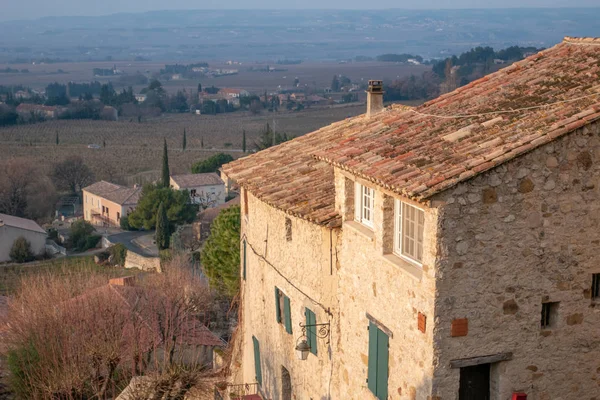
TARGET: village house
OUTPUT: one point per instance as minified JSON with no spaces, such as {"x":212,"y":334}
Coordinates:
{"x":27,"y":110}
{"x":12,"y":228}
{"x":442,"y":252}
{"x":141,"y":97}
{"x":234,"y":93}
{"x":206,"y":190}
{"x":105,"y":203}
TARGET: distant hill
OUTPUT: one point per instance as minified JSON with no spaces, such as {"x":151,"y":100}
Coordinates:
{"x":264,"y":35}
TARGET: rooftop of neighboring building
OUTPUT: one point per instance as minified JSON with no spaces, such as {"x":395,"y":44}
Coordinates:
{"x":186,"y":181}
{"x":21,"y":223}
{"x":116,"y":193}
{"x":208,"y":216}
{"x":422,"y":151}
{"x":35,"y":107}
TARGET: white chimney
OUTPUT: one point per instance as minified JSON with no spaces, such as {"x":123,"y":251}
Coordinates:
{"x":374,"y":97}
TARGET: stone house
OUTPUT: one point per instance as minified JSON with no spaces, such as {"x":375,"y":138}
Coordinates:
{"x":437,"y":253}
{"x":12,"y":228}
{"x":104,"y":203}
{"x":207,"y":190}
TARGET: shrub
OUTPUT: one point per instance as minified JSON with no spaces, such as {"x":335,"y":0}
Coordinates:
{"x":118,"y":253}
{"x":92,"y":241}
{"x":80,"y":232}
{"x":21,"y":251}
{"x":211,"y":164}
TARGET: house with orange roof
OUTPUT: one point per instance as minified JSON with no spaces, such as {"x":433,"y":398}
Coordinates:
{"x":446,"y":251}
{"x":105,"y":203}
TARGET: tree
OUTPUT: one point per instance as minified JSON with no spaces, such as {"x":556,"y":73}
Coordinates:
{"x":176,"y":203}
{"x":199,"y":88}
{"x":220,"y":257}
{"x":166,"y":176}
{"x":184,"y":141}
{"x":211,"y":164}
{"x":202,"y":142}
{"x":178,"y":103}
{"x":72,"y":174}
{"x":57,"y":141}
{"x":244,"y":141}
{"x":104,"y":143}
{"x":269,"y":138}
{"x":335,"y":84}
{"x":20,"y":186}
{"x":20,"y":251}
{"x":81,"y":235}
{"x":162,"y":228}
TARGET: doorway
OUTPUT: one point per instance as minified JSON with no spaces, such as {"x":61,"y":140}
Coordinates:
{"x":475,"y":382}
{"x":286,"y":384}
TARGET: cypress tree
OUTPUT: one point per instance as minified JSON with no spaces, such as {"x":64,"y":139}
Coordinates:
{"x":162,"y":228}
{"x":104,"y":143}
{"x":57,"y":138}
{"x":184,"y":144}
{"x":165,"y":167}
{"x":244,"y":141}
{"x":202,"y":142}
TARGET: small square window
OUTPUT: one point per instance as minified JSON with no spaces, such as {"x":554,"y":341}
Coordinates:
{"x":595,"y":286}
{"x":549,"y":314}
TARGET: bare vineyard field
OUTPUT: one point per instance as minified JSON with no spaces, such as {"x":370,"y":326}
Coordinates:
{"x":135,"y":149}
{"x":316,"y":75}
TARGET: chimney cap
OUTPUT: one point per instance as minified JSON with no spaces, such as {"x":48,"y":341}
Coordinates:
{"x":375,"y":86}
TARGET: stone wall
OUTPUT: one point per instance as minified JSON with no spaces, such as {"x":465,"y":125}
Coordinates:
{"x":388,"y":288}
{"x":522,"y":234}
{"x":304,"y":267}
{"x":134,"y":260}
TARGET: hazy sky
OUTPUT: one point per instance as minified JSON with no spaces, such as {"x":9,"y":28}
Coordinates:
{"x":27,"y":9}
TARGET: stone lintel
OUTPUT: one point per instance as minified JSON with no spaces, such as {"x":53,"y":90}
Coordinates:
{"x":380,"y":325}
{"x":469,"y":362}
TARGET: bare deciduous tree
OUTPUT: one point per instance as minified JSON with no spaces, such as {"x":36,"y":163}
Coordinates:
{"x":24,"y":190}
{"x":72,"y":174}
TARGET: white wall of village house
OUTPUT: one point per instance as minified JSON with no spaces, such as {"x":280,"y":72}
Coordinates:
{"x":524,"y":233}
{"x":392,"y":291}
{"x":307,"y":261}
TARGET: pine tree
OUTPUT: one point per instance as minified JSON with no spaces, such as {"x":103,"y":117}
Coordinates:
{"x":165,"y":167}
{"x":57,"y":141}
{"x":162,"y":228}
{"x":184,"y":143}
{"x":244,"y":141}
{"x":202,"y":142}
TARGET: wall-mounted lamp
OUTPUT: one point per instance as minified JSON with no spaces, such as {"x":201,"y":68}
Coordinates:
{"x":302,"y":346}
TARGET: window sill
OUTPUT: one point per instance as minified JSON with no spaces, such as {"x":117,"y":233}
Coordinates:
{"x":411,"y":269}
{"x":360,"y":228}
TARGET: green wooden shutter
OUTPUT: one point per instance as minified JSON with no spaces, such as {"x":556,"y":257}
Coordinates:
{"x":244,"y":262}
{"x":372,"y":374}
{"x":277,"y":309}
{"x":382,"y":364}
{"x":288,"y":314}
{"x":257,"y":368}
{"x":311,"y":331}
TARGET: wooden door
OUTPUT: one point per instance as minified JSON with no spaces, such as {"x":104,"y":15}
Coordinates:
{"x":475,"y":382}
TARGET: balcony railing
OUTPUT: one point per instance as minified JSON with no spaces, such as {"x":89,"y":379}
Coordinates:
{"x":244,"y":391}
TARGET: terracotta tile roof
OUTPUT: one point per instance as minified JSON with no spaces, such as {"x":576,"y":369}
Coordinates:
{"x":21,"y":223}
{"x":116,"y":193}
{"x":35,"y":107}
{"x":195,"y":180}
{"x":423,"y":151}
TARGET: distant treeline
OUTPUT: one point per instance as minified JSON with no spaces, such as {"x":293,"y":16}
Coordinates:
{"x":104,"y":72}
{"x":480,"y":57}
{"x":181,"y":68}
{"x":454,"y":72}
{"x":402,"y":58}
{"x":9,"y":70}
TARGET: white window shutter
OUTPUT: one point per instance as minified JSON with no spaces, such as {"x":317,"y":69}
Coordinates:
{"x":357,"y":201}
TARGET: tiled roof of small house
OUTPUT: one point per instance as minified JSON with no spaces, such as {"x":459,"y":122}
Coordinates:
{"x":21,"y":223}
{"x":116,"y":193}
{"x":195,"y":180}
{"x":423,"y":151}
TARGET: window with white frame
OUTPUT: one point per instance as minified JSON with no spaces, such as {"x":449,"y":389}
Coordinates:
{"x":408,"y":231}
{"x":364,"y":204}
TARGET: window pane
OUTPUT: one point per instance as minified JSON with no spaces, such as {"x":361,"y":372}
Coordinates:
{"x":413,"y":224}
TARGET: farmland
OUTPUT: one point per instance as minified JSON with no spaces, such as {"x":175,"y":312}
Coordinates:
{"x":133,"y":150}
